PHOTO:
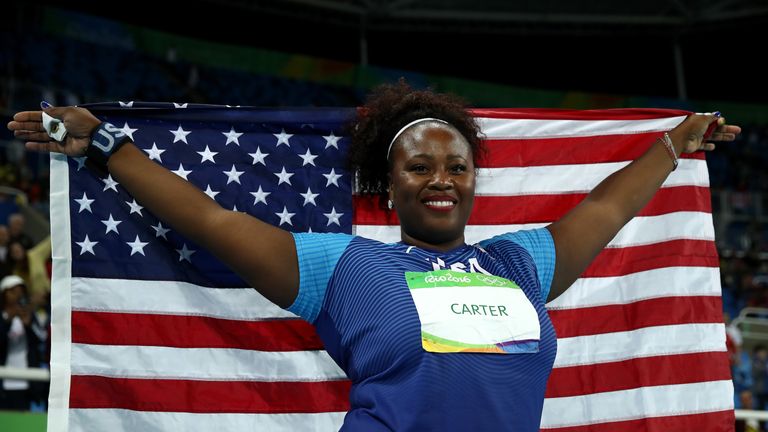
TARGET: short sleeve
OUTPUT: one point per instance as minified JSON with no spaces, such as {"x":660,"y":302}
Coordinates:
{"x":540,"y":245}
{"x":318,"y":254}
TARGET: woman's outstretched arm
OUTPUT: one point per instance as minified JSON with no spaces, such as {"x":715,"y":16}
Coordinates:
{"x":263,"y":255}
{"x":584,"y":231}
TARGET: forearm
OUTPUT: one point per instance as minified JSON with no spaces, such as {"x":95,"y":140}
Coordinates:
{"x":169,"y":197}
{"x":624,"y":193}
{"x":610,"y":205}
{"x":263,"y":255}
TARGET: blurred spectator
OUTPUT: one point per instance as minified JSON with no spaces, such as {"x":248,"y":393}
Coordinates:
{"x":16,"y":224}
{"x":21,"y":338}
{"x":742,"y":378}
{"x":746,"y":400}
{"x":760,"y":375}
{"x":31,"y":265}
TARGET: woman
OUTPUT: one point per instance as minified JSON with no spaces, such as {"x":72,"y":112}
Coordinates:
{"x":21,"y":336}
{"x":434,"y":334}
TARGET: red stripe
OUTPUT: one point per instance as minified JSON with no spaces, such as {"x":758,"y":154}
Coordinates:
{"x":503,"y":210}
{"x":632,"y":316}
{"x":569,"y":114}
{"x":182,"y":331}
{"x":504,"y":153}
{"x":638,"y":372}
{"x":208,"y":396}
{"x":719,"y":421}
{"x":633,"y":259}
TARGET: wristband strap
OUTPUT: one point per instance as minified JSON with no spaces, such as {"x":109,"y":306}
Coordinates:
{"x":105,"y":141}
{"x":667,"y":141}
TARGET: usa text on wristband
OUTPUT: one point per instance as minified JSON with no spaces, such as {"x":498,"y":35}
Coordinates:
{"x":105,"y":141}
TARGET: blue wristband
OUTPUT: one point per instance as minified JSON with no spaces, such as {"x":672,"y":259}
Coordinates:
{"x":105,"y":141}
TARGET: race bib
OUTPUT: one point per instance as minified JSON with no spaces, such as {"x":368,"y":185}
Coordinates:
{"x":473,"y":312}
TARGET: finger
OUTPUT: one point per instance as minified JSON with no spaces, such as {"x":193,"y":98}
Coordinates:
{"x":25,"y":125}
{"x":44,"y":146}
{"x":23,"y":116}
{"x":708,"y":147}
{"x":32,"y":136}
{"x":722,"y":136}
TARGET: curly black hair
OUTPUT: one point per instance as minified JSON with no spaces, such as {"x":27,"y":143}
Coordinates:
{"x":388,"y":108}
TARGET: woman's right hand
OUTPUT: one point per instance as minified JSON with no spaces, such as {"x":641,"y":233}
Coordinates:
{"x":79,"y":122}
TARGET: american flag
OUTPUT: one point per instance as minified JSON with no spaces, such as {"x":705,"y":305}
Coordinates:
{"x":152,"y":333}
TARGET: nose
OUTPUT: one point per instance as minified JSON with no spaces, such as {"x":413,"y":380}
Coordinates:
{"x":441,"y":180}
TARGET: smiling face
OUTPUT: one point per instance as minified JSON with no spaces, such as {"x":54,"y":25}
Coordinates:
{"x":432,"y":185}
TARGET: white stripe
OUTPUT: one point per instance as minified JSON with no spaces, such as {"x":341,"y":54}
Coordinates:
{"x":639,"y":231}
{"x":61,"y":315}
{"x":656,"y":401}
{"x":87,"y":420}
{"x":645,"y":230}
{"x":656,"y":283}
{"x":202,"y":363}
{"x":555,"y":179}
{"x":171,"y":297}
{"x":644,"y":342}
{"x":500,"y":128}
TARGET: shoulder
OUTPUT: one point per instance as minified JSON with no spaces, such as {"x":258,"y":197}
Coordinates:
{"x":529,"y":239}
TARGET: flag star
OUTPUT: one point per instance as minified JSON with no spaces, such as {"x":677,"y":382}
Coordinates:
{"x":126,"y":104}
{"x":332,"y":141}
{"x":210,"y":192}
{"x":233,"y":175}
{"x":333,"y":217}
{"x":285,"y":217}
{"x":332,"y":178}
{"x":85,"y":203}
{"x":160,"y":231}
{"x":284,"y":177}
{"x":234,"y":208}
{"x":308,"y":158}
{"x":309,"y":230}
{"x":185,"y":253}
{"x":109,"y":183}
{"x":178,"y":105}
{"x":111,"y":224}
{"x":87,"y":245}
{"x":282,"y":138}
{"x":137,"y":246}
{"x":135,"y":207}
{"x":128,"y":130}
{"x":258,"y":157}
{"x":181,"y":172}
{"x":232,"y":136}
{"x":180,"y":135}
{"x":80,"y":162}
{"x":260,"y":196}
{"x":207,"y":154}
{"x":154,"y":153}
{"x":309,"y":197}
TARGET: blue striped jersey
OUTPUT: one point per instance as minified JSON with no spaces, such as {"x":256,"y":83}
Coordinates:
{"x":354,"y":291}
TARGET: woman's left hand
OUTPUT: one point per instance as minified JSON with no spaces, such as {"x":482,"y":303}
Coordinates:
{"x":692,"y":131}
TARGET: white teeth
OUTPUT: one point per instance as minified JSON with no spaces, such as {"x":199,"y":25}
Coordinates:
{"x":439,"y":203}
